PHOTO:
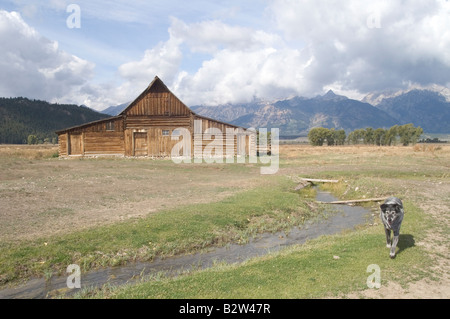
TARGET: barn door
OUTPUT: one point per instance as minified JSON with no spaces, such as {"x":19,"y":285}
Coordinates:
{"x":75,"y":144}
{"x":140,"y":144}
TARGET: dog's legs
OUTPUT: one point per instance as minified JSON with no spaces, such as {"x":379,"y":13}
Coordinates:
{"x":388,"y":237}
{"x":394,"y":244}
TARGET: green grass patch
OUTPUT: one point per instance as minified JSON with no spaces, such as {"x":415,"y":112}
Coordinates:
{"x":311,"y":270}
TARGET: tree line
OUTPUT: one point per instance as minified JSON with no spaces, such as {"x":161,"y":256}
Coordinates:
{"x":403,"y":134}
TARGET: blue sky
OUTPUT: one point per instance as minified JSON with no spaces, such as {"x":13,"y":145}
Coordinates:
{"x":216,"y":52}
{"x":115,"y":32}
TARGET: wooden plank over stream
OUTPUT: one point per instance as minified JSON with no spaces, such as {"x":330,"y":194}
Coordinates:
{"x":313,"y":180}
{"x":352,"y":201}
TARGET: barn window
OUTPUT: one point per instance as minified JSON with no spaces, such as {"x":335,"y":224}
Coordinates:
{"x":110,"y":126}
{"x":165,"y":132}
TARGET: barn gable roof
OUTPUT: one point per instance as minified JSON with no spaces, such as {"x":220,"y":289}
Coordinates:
{"x":156,"y":86}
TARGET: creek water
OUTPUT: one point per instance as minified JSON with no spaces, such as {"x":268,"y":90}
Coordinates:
{"x":340,"y":217}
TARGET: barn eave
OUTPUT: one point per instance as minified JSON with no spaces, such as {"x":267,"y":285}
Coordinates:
{"x":108,"y":119}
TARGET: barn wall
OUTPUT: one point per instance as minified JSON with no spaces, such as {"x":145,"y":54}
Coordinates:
{"x":143,"y":136}
{"x":113,"y":125}
{"x":241,"y":144}
{"x":98,"y":138}
{"x":107,"y":143}
{"x":62,"y":144}
{"x":137,"y":122}
{"x":158,"y":145}
{"x":161,"y":145}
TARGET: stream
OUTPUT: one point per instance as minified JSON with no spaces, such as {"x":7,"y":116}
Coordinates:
{"x":341,"y":217}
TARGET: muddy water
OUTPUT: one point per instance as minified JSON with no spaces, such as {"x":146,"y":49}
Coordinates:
{"x":342,"y":218}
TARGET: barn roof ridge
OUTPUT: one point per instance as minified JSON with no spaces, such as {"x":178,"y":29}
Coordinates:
{"x":155,"y":80}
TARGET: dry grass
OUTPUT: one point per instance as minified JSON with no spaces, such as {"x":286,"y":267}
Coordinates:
{"x":41,"y":195}
{"x":427,"y":148}
{"x":28,"y":151}
{"x":297,"y":151}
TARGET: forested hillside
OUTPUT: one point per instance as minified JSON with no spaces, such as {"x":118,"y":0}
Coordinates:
{"x":21,"y":117}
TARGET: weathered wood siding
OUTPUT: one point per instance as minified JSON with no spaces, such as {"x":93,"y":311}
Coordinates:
{"x":104,"y":143}
{"x":157,"y":100}
{"x":155,"y":111}
{"x":140,"y":143}
{"x":98,"y":138}
{"x":161,"y":145}
{"x":158,"y":104}
{"x":75,"y":143}
{"x":157,"y":144}
{"x":108,"y":125}
{"x":62,"y":144}
{"x":137,"y":122}
{"x":218,"y":138}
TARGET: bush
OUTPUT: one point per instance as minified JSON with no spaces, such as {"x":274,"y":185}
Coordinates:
{"x":409,"y":134}
{"x":318,"y":135}
{"x":32,"y":139}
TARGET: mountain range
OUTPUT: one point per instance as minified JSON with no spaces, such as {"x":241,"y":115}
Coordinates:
{"x":296,"y":116}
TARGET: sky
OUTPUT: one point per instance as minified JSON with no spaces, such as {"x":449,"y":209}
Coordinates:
{"x":105,"y":53}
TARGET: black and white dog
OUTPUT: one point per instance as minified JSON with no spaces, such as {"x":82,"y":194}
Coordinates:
{"x":392,"y":216}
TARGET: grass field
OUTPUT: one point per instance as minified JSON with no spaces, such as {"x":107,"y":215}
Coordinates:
{"x":111,"y":211}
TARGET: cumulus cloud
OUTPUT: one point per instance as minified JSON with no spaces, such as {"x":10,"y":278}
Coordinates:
{"x":243,"y":66}
{"x":34,"y":66}
{"x":243,"y":63}
{"x":213,"y":35}
{"x":164,"y":60}
{"x":368,"y":46}
{"x":241,"y":76}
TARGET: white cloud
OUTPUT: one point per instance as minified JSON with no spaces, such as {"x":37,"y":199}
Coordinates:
{"x":240,"y":76}
{"x":244,"y":63}
{"x":33,"y":66}
{"x":374,"y":45}
{"x":212,"y":36}
{"x":163,"y":60}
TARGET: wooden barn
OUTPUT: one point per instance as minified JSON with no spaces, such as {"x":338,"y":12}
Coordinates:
{"x":147,"y":126}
